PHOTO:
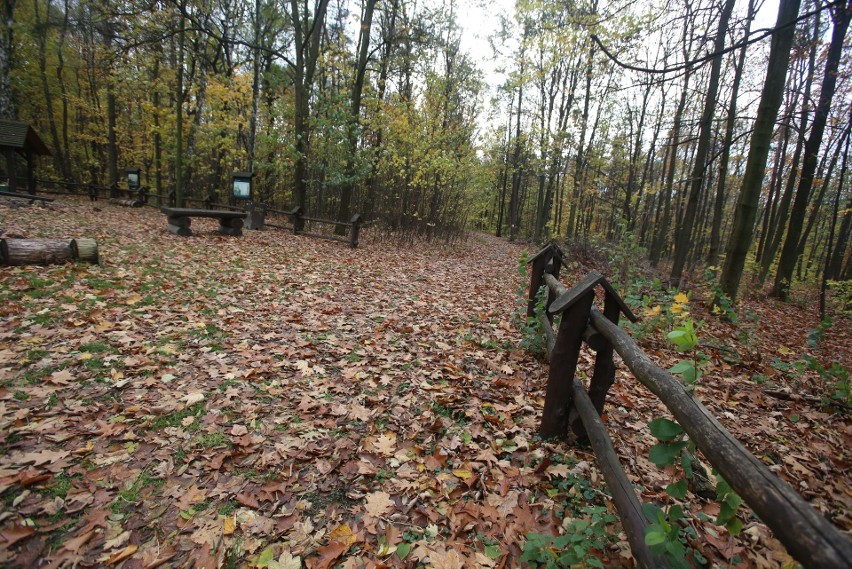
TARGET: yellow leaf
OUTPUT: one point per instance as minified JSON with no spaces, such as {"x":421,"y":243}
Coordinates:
{"x":122,"y":555}
{"x":652,"y":311}
{"x":681,"y":298}
{"x":676,"y":309}
{"x":230,"y":525}
{"x":86,"y":356}
{"x":783,"y":350}
{"x":342,"y":534}
{"x":134,"y":299}
{"x":462,"y":473}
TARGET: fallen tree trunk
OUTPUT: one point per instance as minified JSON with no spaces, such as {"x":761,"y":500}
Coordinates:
{"x":85,"y":250}
{"x":133,"y":202}
{"x":17,"y":252}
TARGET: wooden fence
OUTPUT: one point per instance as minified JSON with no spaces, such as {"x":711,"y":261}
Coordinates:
{"x":807,"y":535}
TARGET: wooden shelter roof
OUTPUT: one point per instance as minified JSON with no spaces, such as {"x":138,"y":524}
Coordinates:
{"x":21,"y":137}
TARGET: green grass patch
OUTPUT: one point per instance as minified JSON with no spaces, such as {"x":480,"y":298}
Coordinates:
{"x":175,"y":419}
{"x":97,"y":347}
{"x":212,"y":440}
{"x":131,"y":491}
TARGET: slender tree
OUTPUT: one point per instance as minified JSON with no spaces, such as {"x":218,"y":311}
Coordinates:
{"x":745,"y":213}
{"x":841,"y":14}
{"x":682,"y":243}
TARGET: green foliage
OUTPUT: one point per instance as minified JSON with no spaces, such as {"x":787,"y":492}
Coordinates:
{"x":723,"y":306}
{"x":834,"y":378}
{"x":624,"y":255}
{"x":532,"y":334}
{"x":664,"y":536}
{"x":729,"y":502}
{"x":841,"y":296}
{"x":683,"y":336}
{"x":579,"y":546}
{"x":672,"y":444}
{"x":817,"y":335}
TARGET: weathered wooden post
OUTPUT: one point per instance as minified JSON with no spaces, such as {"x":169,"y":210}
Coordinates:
{"x":298,"y":222}
{"x":575,"y":307}
{"x":604,"y":374}
{"x":539,"y":263}
{"x":356,"y":230}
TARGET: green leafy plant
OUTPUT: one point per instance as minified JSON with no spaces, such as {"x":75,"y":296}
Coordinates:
{"x":835,"y":380}
{"x":579,"y":546}
{"x":723,"y":306}
{"x":664,"y":535}
{"x":729,"y":502}
{"x":532,"y":334}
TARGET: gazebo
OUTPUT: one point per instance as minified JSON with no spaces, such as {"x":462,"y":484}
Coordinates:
{"x":19,"y":140}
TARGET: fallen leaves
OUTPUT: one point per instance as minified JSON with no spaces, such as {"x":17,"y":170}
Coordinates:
{"x":305,"y":405}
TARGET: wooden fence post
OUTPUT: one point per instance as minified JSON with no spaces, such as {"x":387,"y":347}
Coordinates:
{"x":356,"y":230}
{"x":298,"y":222}
{"x":563,"y":364}
{"x":604,"y":374}
{"x":539,"y":264}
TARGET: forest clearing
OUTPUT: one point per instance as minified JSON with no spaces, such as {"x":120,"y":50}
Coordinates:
{"x":275,"y":400}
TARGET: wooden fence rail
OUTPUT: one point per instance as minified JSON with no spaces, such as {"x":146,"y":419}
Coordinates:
{"x":807,"y":535}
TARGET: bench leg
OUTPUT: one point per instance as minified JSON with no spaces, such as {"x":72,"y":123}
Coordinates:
{"x":179,"y":226}
{"x":232,"y":227}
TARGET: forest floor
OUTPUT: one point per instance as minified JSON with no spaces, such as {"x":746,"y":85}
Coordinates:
{"x":274,"y":400}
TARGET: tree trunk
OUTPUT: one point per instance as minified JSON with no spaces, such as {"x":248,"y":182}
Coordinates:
{"x":825,"y":175}
{"x":682,"y":240}
{"x":662,"y":225}
{"x":719,"y":204}
{"x":255,"y":87}
{"x":828,"y":253}
{"x":770,"y":101}
{"x":571,"y":230}
{"x":307,"y":34}
{"x":43,"y":27}
{"x":787,"y":262}
{"x":7,"y":60}
{"x":178,"y":197}
{"x":354,"y":127}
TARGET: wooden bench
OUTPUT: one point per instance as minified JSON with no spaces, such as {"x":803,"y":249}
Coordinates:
{"x":31,"y":197}
{"x":178,"y":219}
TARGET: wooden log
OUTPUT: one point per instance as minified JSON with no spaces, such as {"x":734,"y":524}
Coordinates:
{"x":25,"y":196}
{"x":18,"y":252}
{"x":807,"y":535}
{"x":549,"y":334}
{"x":85,"y":250}
{"x":556,"y":287}
{"x":133,"y":202}
{"x":623,"y":495}
{"x":552,"y":269}
{"x":563,"y":365}
{"x":536,"y":276}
